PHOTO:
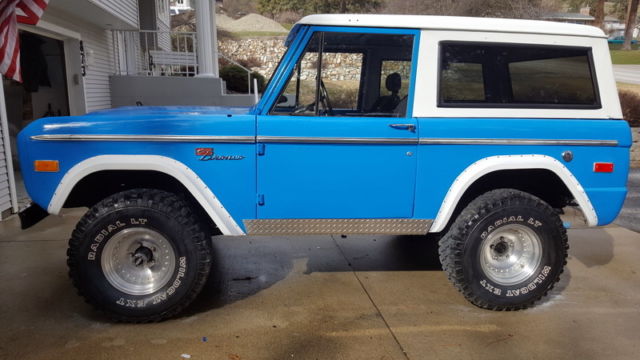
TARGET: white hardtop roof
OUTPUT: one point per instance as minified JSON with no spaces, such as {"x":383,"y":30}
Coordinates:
{"x":454,"y":23}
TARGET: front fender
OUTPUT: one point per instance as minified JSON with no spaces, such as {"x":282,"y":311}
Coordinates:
{"x":179,"y":171}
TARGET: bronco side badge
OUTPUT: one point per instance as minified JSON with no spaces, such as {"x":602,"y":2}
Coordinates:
{"x":207,"y":154}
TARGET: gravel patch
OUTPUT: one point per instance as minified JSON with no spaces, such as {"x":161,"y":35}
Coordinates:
{"x":251,"y":22}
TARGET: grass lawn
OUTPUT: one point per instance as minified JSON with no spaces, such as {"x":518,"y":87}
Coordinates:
{"x":621,"y":57}
{"x":630,"y":87}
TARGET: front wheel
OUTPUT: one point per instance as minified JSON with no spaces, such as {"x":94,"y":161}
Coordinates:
{"x":139,"y":256}
{"x":505,"y":251}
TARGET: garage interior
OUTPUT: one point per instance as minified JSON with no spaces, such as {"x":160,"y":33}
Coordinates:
{"x":43,"y":92}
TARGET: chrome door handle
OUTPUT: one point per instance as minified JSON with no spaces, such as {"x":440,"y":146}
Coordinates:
{"x":410,"y":127}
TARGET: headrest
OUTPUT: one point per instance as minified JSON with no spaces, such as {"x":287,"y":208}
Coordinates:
{"x":394,"y":82}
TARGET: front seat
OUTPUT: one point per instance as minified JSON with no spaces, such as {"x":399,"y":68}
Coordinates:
{"x":388,"y":103}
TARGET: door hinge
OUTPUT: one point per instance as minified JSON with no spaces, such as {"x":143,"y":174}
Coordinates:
{"x":260,"y":199}
{"x":260,"y":149}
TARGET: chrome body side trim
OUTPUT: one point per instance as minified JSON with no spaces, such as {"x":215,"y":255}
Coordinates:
{"x":337,"y":226}
{"x":153,"y":138}
{"x":467,"y":141}
{"x":334,"y":140}
{"x":321,"y":140}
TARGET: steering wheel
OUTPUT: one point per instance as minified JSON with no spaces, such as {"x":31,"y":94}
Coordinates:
{"x":324,"y":100}
{"x":301,"y":109}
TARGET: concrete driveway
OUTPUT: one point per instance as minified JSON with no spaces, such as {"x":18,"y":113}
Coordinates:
{"x":324,"y":298}
{"x":629,"y":74}
{"x":630,"y":213}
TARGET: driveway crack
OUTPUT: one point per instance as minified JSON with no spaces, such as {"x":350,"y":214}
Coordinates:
{"x":384,"y":320}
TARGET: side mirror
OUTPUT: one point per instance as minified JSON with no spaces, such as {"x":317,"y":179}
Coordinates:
{"x":286,"y":100}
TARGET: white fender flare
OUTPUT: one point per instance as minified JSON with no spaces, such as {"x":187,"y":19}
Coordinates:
{"x":511,"y":162}
{"x":171,"y":167}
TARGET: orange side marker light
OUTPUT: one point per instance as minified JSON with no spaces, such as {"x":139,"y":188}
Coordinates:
{"x":46,"y":165}
{"x":603,"y":167}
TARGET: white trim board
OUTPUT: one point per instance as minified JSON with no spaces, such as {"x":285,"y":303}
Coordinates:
{"x":51,"y":30}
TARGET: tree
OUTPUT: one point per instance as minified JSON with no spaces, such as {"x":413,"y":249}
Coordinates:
{"x":275,"y":7}
{"x":527,"y":9}
{"x":599,"y":15}
{"x":576,"y":5}
{"x":630,"y":24}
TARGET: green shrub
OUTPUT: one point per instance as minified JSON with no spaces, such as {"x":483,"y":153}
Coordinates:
{"x":236,"y":79}
{"x":630,"y":102}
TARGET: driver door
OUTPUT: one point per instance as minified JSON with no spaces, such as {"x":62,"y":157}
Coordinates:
{"x":323,"y":152}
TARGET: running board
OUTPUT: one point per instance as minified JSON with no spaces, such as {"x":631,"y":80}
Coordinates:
{"x":337,"y":226}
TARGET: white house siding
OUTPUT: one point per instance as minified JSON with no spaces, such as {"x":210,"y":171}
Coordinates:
{"x":164,"y":37}
{"x":99,"y":58}
{"x":163,"y":22}
{"x":97,"y":91}
{"x":5,"y":195}
{"x":127,"y":10}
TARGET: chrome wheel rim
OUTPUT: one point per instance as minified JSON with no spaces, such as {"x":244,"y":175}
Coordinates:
{"x":138,"y":261}
{"x":510,"y":254}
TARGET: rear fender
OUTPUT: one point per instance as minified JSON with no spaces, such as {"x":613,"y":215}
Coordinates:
{"x":511,"y":162}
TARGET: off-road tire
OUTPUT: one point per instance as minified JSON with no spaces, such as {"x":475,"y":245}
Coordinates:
{"x":141,"y":210}
{"x":461,"y":249}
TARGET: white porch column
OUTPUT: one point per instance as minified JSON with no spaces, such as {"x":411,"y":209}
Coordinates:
{"x":214,"y":40}
{"x":204,"y":38}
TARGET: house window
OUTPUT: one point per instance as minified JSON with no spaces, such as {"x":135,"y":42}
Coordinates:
{"x":503,"y":76}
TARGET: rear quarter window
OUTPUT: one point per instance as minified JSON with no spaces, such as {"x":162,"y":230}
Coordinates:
{"x":516,"y":76}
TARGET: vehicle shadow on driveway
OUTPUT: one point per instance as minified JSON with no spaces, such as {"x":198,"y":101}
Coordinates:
{"x":244,"y":266}
{"x":592,"y":247}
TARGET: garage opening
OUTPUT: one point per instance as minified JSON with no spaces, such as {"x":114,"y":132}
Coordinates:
{"x":43,"y":93}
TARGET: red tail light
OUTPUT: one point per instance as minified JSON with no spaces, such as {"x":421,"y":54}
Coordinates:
{"x":603,"y":167}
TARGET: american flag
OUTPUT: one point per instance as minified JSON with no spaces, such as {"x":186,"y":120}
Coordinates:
{"x":12,"y":12}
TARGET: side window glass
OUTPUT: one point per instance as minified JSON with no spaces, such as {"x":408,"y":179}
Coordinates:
{"x":563,"y":80}
{"x":516,"y":76}
{"x":349,"y":74}
{"x":341,"y":75}
{"x":463,"y":82}
{"x":403,"y":68}
{"x":300,"y":93}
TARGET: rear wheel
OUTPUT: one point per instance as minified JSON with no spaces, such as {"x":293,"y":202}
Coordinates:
{"x":505,"y":251}
{"x":139,"y":256}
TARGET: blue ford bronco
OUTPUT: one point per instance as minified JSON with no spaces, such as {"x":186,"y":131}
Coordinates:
{"x":479,"y":133}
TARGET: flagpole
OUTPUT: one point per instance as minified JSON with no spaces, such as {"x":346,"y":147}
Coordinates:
{"x":6,"y":139}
